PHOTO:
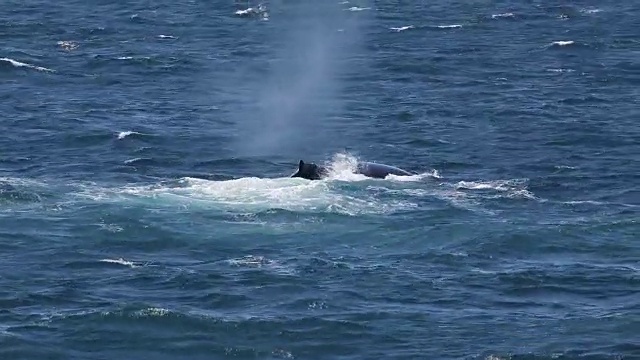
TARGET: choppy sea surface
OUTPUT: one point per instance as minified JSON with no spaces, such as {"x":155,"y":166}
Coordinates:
{"x":146,"y":208}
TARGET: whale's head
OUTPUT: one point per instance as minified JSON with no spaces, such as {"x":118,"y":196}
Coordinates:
{"x":309,"y":171}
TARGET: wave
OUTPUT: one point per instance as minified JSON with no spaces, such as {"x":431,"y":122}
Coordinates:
{"x":19,"y":64}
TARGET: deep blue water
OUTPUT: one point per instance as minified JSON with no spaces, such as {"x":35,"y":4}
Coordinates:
{"x":146,"y":209}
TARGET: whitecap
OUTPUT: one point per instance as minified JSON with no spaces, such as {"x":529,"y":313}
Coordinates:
{"x":111,"y":227}
{"x":134,"y":160}
{"x":19,"y":64}
{"x":124,"y":134}
{"x":167,"y":37}
{"x":590,"y":11}
{"x":514,"y":188}
{"x":357,"y":8}
{"x":151,"y":312}
{"x":120,"y":261}
{"x":260,"y":10}
{"x":561,"y":70}
{"x":583,"y":202}
{"x":68,"y":45}
{"x":500,"y":185}
{"x":261,"y":262}
{"x":453,"y":26}
{"x":505,"y":15}
{"x":563,"y":43}
{"x":402,"y":28}
{"x":247,"y":11}
{"x":133,"y":58}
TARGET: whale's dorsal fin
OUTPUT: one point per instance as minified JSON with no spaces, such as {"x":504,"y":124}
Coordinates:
{"x":300,"y":165}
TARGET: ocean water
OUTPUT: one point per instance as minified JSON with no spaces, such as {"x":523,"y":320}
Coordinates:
{"x":146,"y":208}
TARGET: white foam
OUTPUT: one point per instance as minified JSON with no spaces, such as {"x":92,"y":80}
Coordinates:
{"x":500,"y":185}
{"x":120,"y":261}
{"x":402,"y":28}
{"x":253,"y":195}
{"x":505,"y":15}
{"x":134,"y":160}
{"x":454,"y":26}
{"x":514,"y":188}
{"x":22,"y":181}
{"x":261,"y":262}
{"x":563,"y":43}
{"x":151,"y":312}
{"x":249,"y":195}
{"x":247,"y":11}
{"x":111,"y":227}
{"x":167,"y":37}
{"x":16,"y":63}
{"x":561,"y":70}
{"x":357,"y":8}
{"x":582,"y":202}
{"x":68,"y":45}
{"x":260,"y":10}
{"x":590,"y":11}
{"x":133,"y":58}
{"x":417,"y":177}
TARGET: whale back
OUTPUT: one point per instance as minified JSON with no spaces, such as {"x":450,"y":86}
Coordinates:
{"x":312,"y":171}
{"x":309,"y":171}
{"x":380,"y":171}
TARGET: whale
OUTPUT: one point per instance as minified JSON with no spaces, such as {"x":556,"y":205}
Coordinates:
{"x":312,"y":171}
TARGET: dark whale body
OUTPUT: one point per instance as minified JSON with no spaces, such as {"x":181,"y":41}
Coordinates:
{"x":312,"y":171}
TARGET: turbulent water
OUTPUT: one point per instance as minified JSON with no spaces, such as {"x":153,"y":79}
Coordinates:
{"x":146,"y":208}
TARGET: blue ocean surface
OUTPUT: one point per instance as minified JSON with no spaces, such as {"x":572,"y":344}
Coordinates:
{"x":147,"y":209}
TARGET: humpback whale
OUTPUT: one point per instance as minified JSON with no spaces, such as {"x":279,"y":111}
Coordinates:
{"x":312,"y":171}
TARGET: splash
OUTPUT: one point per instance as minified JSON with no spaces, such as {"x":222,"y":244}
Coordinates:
{"x":343,"y":167}
{"x":339,"y":193}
